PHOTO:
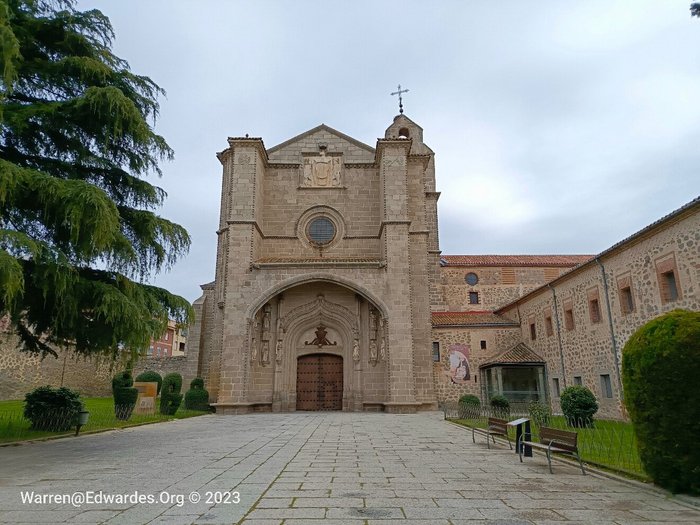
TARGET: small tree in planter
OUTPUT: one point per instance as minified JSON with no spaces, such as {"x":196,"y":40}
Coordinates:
{"x":52,"y":409}
{"x":149,"y":376}
{"x":197,"y":398}
{"x":578,"y":404}
{"x":124,"y":394}
{"x":170,"y":396}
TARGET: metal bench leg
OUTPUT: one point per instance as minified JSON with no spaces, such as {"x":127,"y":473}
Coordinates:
{"x":580,"y":463}
{"x":488,"y":443}
{"x":473,"y":439}
{"x":549,"y":460}
{"x":519,"y":446}
{"x":509,"y":444}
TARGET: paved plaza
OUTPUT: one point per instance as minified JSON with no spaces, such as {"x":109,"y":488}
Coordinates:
{"x":331,"y":468}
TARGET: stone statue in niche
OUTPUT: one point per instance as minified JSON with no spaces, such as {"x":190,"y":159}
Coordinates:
{"x":373,"y":351}
{"x":278,"y":351}
{"x":322,"y":171}
{"x":356,"y":350}
{"x":265,"y":355}
{"x":266,"y":318}
{"x":372,"y":322}
{"x":253,"y":350}
{"x":382,"y":350}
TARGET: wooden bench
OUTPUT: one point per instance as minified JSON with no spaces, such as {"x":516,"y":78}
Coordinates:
{"x":495,"y":427}
{"x":553,"y":440}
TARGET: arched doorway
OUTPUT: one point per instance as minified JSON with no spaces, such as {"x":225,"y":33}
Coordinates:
{"x":320,"y":382}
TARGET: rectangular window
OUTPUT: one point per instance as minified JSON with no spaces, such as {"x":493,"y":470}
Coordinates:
{"x":436,"y":351}
{"x":606,"y":385}
{"x":182,"y":347}
{"x":473,"y":297}
{"x":166,"y":336}
{"x":578,"y":381}
{"x":533,"y":332}
{"x":569,"y":319}
{"x":667,"y":277}
{"x":555,"y":381}
{"x":626,"y":301}
{"x":150,"y":350}
{"x":548,"y":328}
{"x":483,"y":344}
{"x":508,"y":275}
{"x":594,"y":310}
{"x":669,"y":287}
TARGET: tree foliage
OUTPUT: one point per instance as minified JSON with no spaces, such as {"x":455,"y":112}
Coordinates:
{"x":78,"y":233}
{"x":660,"y":370}
{"x":695,"y":9}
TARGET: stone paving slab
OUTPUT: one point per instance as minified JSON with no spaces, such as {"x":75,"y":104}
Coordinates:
{"x":313,"y":468}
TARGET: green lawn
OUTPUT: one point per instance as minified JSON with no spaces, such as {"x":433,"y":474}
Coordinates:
{"x":609,"y":444}
{"x":13,"y":426}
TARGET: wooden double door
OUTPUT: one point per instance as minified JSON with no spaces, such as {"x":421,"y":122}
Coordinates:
{"x":320,"y":382}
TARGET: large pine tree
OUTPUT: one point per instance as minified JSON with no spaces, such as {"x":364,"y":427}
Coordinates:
{"x":78,"y":232}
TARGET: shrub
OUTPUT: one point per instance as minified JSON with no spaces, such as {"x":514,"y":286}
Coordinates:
{"x":578,"y":404}
{"x":660,"y":370}
{"x":170,"y":396}
{"x":149,"y":376}
{"x":469,"y":399}
{"x":125,"y":395}
{"x":540,"y":413}
{"x":500,"y":405}
{"x":197,"y":398}
{"x":52,"y":409}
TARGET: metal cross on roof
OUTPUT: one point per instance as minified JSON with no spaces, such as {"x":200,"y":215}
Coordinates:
{"x":399,"y":92}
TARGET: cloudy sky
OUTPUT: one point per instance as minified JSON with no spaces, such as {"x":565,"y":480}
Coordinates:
{"x":558,"y":127}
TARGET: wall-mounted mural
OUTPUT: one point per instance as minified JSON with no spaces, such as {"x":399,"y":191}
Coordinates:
{"x":459,"y":364}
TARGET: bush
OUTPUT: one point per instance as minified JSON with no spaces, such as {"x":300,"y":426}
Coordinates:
{"x":578,"y":404}
{"x":125,"y":395}
{"x":660,"y":370}
{"x":540,"y":413}
{"x":469,"y":399}
{"x":149,"y":376}
{"x":52,"y":409}
{"x":500,"y":405}
{"x":170,"y":397}
{"x":197,"y":398}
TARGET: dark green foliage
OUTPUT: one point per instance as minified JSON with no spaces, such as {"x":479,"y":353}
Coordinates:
{"x":52,"y":409}
{"x":660,"y":371}
{"x":149,"y":376}
{"x":540,"y":413}
{"x":469,"y":399}
{"x":78,"y":232}
{"x":578,"y":404}
{"x":197,"y":398}
{"x":125,"y":395}
{"x":170,"y":396}
{"x":695,"y":9}
{"x":500,"y":403}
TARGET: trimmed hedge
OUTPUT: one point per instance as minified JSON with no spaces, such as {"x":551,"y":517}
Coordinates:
{"x":197,"y":398}
{"x":500,"y":404}
{"x":52,"y":409}
{"x":578,"y":404}
{"x":660,"y":371}
{"x":170,"y":396}
{"x":125,"y":395}
{"x":469,"y":399}
{"x":149,"y":376}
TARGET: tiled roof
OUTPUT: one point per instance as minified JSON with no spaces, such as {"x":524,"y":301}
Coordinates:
{"x":514,"y":260}
{"x":470,"y":319}
{"x":520,"y":354}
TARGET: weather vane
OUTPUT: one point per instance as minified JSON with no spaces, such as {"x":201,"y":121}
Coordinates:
{"x":399,"y":92}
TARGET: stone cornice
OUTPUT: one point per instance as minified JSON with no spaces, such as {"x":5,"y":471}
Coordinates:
{"x":319,"y":264}
{"x":247,"y":142}
{"x":382,"y":144}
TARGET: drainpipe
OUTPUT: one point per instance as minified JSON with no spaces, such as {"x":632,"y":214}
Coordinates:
{"x":612,"y":328}
{"x":556,"y":318}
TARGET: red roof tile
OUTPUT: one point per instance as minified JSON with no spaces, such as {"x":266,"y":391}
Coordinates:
{"x":473,"y":318}
{"x":515,"y":260}
{"x":520,"y":354}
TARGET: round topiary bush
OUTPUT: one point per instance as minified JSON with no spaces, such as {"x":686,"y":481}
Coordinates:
{"x":52,"y":409}
{"x":124,"y":394}
{"x":500,"y":405}
{"x":470,"y":399}
{"x":170,"y":396}
{"x":578,"y":404}
{"x":540,"y":413}
{"x":197,"y":398}
{"x":469,"y":406}
{"x":149,"y":376}
{"x":660,"y":370}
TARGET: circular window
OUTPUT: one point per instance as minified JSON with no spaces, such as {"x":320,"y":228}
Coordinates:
{"x":321,"y":230}
{"x":471,"y":278}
